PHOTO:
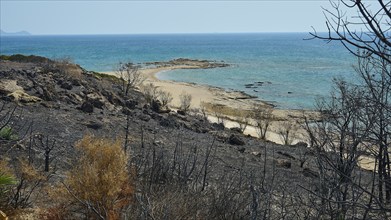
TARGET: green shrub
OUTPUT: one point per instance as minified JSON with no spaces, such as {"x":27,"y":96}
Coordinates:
{"x":25,"y":59}
{"x":7,"y":133}
{"x":6,"y":180}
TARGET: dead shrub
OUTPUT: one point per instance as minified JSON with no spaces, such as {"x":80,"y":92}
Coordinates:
{"x":150,"y":92}
{"x":185,"y":101}
{"x":130,"y":75}
{"x":99,"y":185}
{"x":263,"y":116}
{"x":243,"y":119}
{"x":165,"y":98}
{"x":287,"y":132}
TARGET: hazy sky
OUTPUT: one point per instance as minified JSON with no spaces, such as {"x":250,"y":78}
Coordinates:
{"x":134,"y":17}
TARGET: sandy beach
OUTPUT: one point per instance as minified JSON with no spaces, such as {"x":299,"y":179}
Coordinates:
{"x":239,"y":102}
{"x":236,"y":101}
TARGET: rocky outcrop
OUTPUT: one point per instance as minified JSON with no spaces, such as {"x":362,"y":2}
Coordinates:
{"x":9,"y":86}
{"x":235,"y":140}
{"x":97,"y":100}
{"x":87,"y":107}
{"x":11,"y":91}
{"x":21,"y":96}
{"x":191,"y":63}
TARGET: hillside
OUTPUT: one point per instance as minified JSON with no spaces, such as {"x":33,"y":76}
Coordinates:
{"x":182,"y":166}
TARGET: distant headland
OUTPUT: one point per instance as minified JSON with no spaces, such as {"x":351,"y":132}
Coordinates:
{"x":19,"y":33}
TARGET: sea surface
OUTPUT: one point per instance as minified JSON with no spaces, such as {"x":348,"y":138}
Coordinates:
{"x":286,"y":70}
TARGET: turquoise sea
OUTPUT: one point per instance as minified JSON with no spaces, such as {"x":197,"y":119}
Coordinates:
{"x":287,"y":70}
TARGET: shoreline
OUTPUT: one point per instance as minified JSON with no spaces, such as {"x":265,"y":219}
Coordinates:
{"x":218,"y":95}
{"x":234,"y":101}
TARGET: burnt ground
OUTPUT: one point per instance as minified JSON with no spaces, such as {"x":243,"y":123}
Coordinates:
{"x":63,"y":102}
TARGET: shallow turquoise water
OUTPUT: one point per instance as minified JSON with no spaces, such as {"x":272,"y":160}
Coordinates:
{"x":293,"y":71}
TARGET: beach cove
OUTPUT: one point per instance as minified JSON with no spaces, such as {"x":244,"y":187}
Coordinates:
{"x":234,"y":101}
{"x":231,"y":100}
{"x":280,"y":68}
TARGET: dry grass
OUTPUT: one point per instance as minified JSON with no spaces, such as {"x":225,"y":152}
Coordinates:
{"x":99,"y":186}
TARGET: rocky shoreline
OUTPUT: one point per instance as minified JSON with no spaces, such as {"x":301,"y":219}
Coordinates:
{"x":190,"y":63}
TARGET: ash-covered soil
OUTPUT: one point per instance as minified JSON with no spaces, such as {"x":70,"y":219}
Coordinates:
{"x":59,"y":102}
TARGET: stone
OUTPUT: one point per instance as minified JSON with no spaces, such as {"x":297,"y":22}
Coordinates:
{"x":235,"y":140}
{"x":167,"y":122}
{"x":113,"y":98}
{"x":144,"y":117}
{"x":126,"y":111}
{"x":94,"y":125}
{"x":75,"y":82}
{"x":66,"y":85}
{"x":156,"y":106}
{"x":131,"y":104}
{"x":218,"y":126}
{"x":283,"y":163}
{"x":74,"y":98}
{"x":9,"y":86}
{"x":242,"y":149}
{"x":256,"y":153}
{"x":236,"y":129}
{"x":98,"y":103}
{"x":220,"y":136}
{"x":199,"y":128}
{"x":21,"y":96}
{"x":181,"y":112}
{"x":286,"y":155}
{"x":156,"y":116}
{"x":87,"y":107}
{"x":300,"y":144}
{"x":97,"y":100}
{"x":49,"y":93}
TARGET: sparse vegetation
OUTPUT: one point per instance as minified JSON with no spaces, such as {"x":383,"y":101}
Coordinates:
{"x":7,"y":133}
{"x":357,"y":118}
{"x":100,"y":186}
{"x":263,"y":118}
{"x":185,"y":101}
{"x":6,"y":180}
{"x":27,"y":180}
{"x":218,"y":113}
{"x":165,"y":98}
{"x":24,"y":58}
{"x":182,"y":167}
{"x":287,"y":132}
{"x":130,"y":75}
{"x":243,"y":119}
{"x":150,"y":92}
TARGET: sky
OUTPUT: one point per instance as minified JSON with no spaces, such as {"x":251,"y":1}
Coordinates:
{"x":166,"y":16}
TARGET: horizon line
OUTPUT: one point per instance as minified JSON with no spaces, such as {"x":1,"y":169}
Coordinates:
{"x":10,"y":34}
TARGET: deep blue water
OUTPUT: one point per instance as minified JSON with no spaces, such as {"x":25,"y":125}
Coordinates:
{"x":294,"y":71}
